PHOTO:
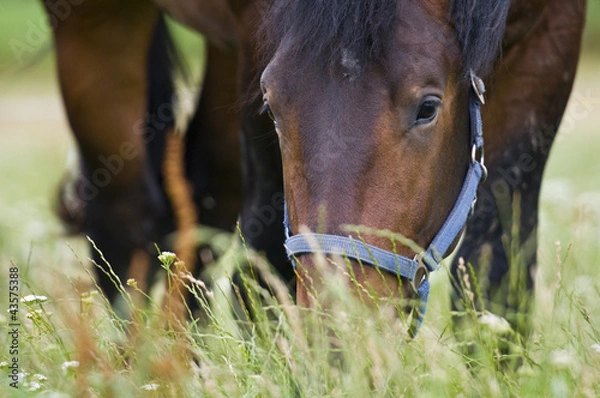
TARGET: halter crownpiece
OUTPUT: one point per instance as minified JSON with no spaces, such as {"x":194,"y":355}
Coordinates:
{"x":428,"y":260}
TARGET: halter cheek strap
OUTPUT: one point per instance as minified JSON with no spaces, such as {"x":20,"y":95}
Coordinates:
{"x":431,"y":258}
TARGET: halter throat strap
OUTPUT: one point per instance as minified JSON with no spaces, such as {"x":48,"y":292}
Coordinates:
{"x":430,"y":259}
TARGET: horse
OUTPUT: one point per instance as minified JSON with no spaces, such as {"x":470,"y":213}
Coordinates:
{"x":377,"y":109}
{"x":116,"y":66}
{"x":380,"y":110}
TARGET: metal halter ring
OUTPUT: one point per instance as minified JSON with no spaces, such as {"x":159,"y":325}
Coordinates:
{"x":421,"y":266}
{"x":481,"y":161}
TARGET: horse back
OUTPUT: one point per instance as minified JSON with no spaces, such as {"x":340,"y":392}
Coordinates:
{"x":217,"y":19}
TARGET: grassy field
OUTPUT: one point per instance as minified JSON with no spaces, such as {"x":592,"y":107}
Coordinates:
{"x":71,"y":345}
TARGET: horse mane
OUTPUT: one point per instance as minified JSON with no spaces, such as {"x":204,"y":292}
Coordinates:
{"x":325,"y":29}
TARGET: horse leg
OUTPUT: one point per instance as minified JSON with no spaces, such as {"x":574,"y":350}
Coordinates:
{"x":528,"y":94}
{"x":213,"y":164}
{"x":213,"y":145}
{"x":102,"y":51}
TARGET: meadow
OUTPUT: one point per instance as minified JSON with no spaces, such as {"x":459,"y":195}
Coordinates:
{"x":71,"y":344}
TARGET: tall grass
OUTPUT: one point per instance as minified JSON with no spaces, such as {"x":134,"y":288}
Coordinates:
{"x":73,"y":344}
{"x":265,"y":346}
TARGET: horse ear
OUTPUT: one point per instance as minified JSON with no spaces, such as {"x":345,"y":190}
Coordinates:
{"x":213,"y":18}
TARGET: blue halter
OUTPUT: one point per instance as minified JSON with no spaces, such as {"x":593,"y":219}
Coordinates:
{"x":431,"y":258}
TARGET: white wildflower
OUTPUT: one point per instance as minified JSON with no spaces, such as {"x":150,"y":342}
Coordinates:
{"x":196,"y":282}
{"x":32,"y":299}
{"x":32,"y":386}
{"x":167,"y":258}
{"x":596,"y":348}
{"x":150,"y":387}
{"x":495,"y":323}
{"x":69,"y":365}
{"x":561,"y":359}
{"x":39,"y":377}
{"x":3,"y":365}
{"x":88,"y":297}
{"x":37,"y":314}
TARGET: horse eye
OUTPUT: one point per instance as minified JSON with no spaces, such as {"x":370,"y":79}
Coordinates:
{"x":265,"y":108}
{"x":428,"y":110}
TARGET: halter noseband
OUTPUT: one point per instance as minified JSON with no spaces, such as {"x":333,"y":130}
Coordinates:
{"x":431,"y":258}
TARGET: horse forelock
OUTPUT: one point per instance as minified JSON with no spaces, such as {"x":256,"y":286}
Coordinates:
{"x":352,"y":34}
{"x":480,"y":26}
{"x":331,"y":31}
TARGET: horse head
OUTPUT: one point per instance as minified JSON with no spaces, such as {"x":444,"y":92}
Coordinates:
{"x":376,"y":107}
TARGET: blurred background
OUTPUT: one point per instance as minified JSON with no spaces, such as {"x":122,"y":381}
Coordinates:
{"x":35,"y":141}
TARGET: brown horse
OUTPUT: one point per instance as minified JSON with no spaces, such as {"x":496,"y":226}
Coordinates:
{"x":115,"y":64}
{"x":373,"y":102}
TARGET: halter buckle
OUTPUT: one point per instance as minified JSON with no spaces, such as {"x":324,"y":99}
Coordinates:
{"x":478,"y":87}
{"x":415,"y":284}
